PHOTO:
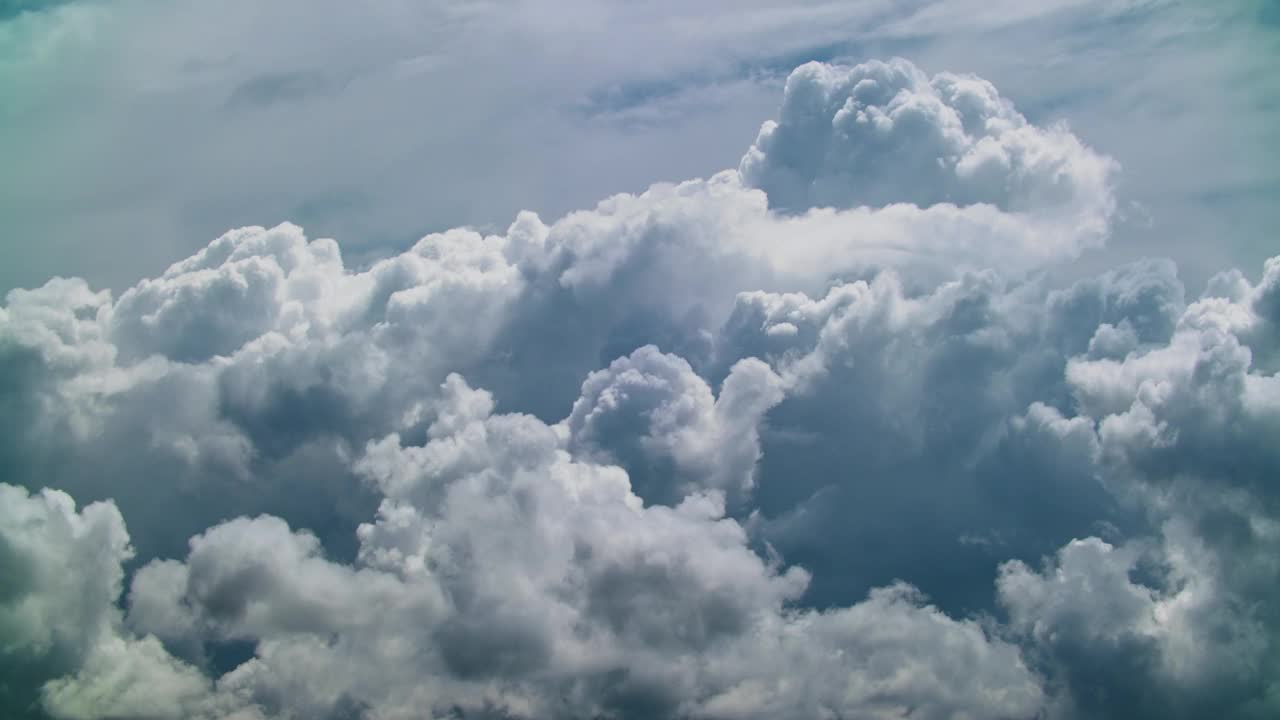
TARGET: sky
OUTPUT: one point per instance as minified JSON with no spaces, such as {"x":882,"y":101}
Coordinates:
{"x":138,"y":130}
{"x":726,"y":360}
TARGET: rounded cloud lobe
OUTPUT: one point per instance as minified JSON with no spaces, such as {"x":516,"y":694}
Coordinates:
{"x":651,"y":414}
{"x":780,"y":442}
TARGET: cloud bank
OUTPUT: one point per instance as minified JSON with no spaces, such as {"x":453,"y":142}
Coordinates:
{"x":811,"y":438}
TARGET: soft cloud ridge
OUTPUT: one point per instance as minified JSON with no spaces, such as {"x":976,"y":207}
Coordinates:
{"x":812,"y":438}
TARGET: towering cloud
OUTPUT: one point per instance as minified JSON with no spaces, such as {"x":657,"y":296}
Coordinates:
{"x":885,"y":132}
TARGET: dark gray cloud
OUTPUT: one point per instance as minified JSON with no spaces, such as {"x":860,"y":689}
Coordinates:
{"x":914,"y":421}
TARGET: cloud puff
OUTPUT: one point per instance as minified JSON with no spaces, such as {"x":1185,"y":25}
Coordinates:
{"x":651,"y":414}
{"x":885,"y":132}
{"x":58,"y":616}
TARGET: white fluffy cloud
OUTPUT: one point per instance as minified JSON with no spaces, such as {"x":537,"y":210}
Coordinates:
{"x":776,"y":442}
{"x":884,"y":132}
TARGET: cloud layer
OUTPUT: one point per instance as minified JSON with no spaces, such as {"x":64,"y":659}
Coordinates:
{"x":811,"y":438}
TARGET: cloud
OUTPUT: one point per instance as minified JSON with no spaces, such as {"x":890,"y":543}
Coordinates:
{"x":265,"y":358}
{"x":503,"y":575}
{"x":1180,"y":431}
{"x":778,"y":441}
{"x":58,"y":616}
{"x":651,"y":414}
{"x":1179,"y":645}
{"x":934,"y":417}
{"x":884,"y":132}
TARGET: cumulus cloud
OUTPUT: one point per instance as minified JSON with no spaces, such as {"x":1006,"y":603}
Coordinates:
{"x":885,"y":132}
{"x":650,"y":413}
{"x":268,"y":358}
{"x":779,"y":442}
{"x":62,"y":645}
{"x":1181,"y":430}
{"x":504,"y":576}
{"x":916,"y":416}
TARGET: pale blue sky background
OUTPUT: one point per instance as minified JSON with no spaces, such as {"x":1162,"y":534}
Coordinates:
{"x":134,"y":131}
